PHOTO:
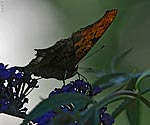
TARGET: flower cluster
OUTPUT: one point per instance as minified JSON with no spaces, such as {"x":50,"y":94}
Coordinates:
{"x":105,"y":118}
{"x":14,"y":87}
{"x":16,"y":84}
{"x":77,"y":86}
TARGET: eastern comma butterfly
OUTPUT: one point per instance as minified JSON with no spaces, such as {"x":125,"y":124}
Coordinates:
{"x":60,"y":60}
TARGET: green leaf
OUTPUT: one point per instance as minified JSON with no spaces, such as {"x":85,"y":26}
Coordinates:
{"x":118,"y":59}
{"x":90,"y":116}
{"x":109,"y":77}
{"x":112,"y":79}
{"x":109,"y":80}
{"x":123,"y":106}
{"x":126,"y":94}
{"x":87,"y":115}
{"x":94,"y":118}
{"x":66,"y":118}
{"x":132,"y":108}
{"x":133,"y":112}
{"x":122,"y":93}
{"x":144,"y":75}
{"x":54,"y":103}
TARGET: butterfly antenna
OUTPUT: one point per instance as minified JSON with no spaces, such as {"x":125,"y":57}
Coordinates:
{"x":98,"y":50}
{"x":88,"y":69}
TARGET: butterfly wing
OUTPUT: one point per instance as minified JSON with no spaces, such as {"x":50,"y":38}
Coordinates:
{"x":91,"y":34}
{"x":59,"y":61}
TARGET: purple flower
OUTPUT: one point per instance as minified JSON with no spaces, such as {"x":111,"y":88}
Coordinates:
{"x":95,"y":90}
{"x":45,"y":119}
{"x":2,"y":66}
{"x":105,"y":118}
{"x":14,"y":87}
{"x":6,"y":73}
{"x":4,"y":104}
{"x":77,"y":86}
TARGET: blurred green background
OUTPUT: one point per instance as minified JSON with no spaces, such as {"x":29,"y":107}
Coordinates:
{"x":129,"y":29}
{"x":26,"y":25}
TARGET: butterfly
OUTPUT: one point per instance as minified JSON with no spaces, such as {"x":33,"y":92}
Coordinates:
{"x":60,"y":60}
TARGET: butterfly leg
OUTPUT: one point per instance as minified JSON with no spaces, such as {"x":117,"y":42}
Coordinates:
{"x":80,"y":75}
{"x":64,"y":82}
{"x":65,"y":75}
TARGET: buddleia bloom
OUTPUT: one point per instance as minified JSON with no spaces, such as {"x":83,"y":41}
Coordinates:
{"x":14,"y":88}
{"x":77,"y":86}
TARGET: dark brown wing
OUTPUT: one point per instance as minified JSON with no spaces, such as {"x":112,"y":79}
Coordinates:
{"x":59,"y":61}
{"x":55,"y":61}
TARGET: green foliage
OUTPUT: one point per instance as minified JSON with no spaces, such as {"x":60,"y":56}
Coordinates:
{"x":133,"y":112}
{"x":54,"y":103}
{"x":87,"y":109}
{"x":117,"y":60}
{"x":128,"y":81}
{"x":139,"y":80}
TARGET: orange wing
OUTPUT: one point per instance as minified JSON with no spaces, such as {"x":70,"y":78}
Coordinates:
{"x":91,"y":34}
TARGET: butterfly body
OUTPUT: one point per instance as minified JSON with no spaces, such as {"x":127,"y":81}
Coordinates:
{"x":60,"y":60}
